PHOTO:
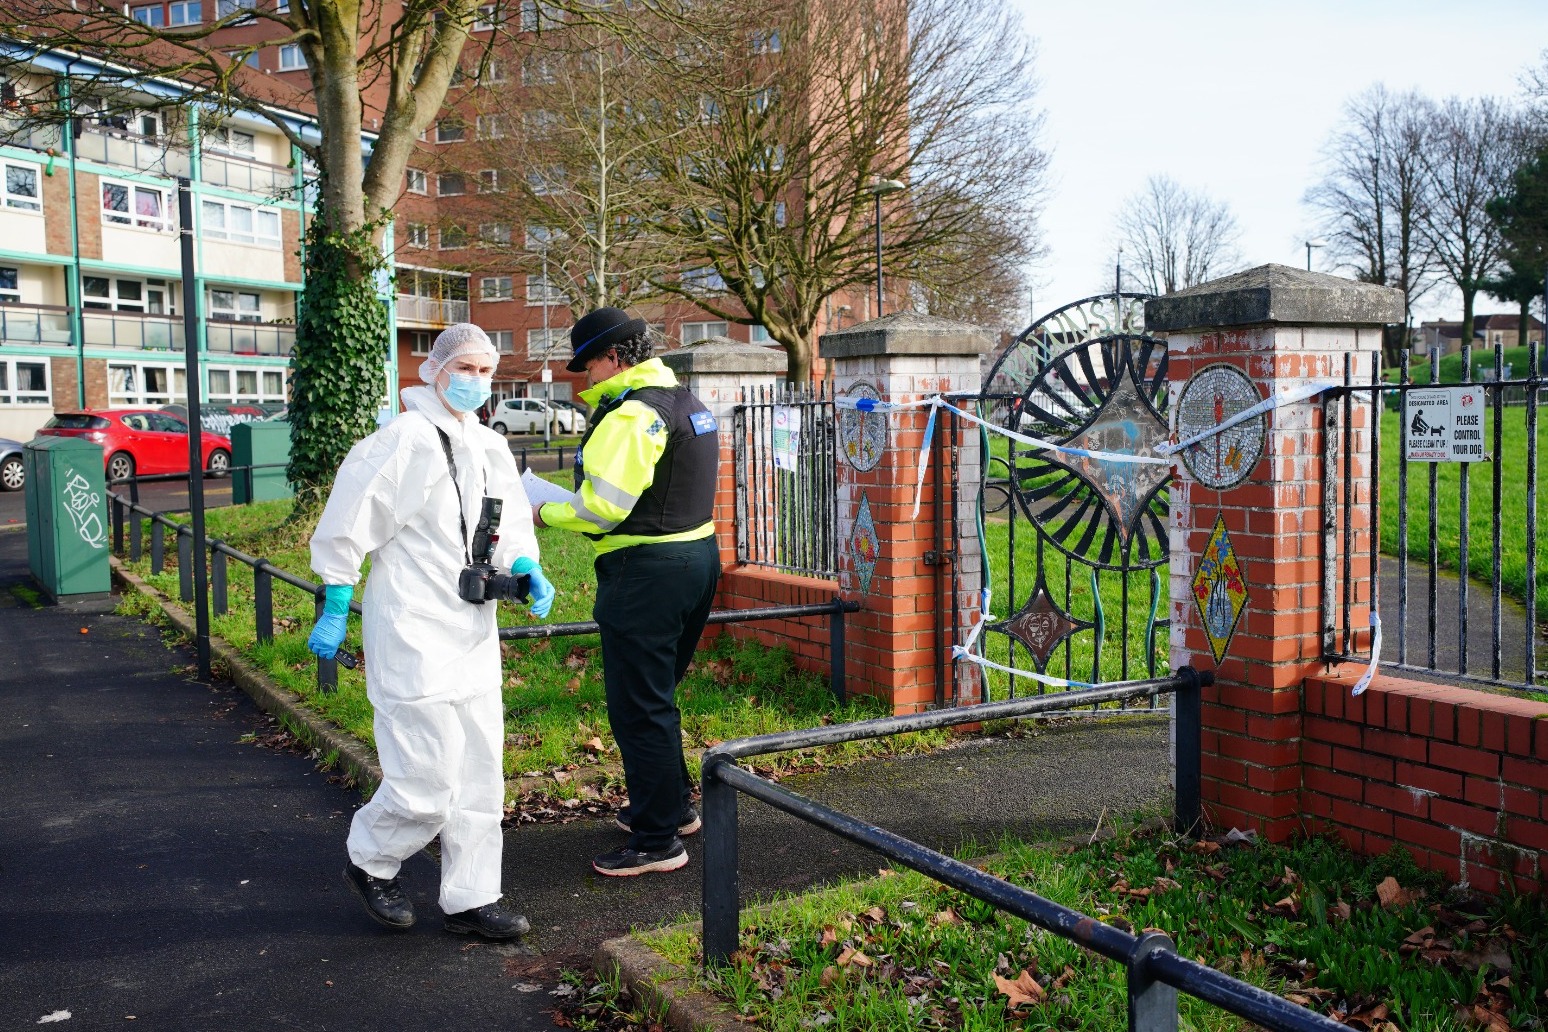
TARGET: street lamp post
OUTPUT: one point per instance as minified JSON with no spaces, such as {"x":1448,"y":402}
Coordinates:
{"x":548,"y":376}
{"x":878,"y":187}
{"x":1309,"y":245}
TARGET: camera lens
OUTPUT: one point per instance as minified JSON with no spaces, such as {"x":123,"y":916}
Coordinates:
{"x":508,"y":587}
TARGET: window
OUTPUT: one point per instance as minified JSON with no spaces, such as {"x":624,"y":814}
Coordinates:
{"x":291,"y":58}
{"x":417,"y":181}
{"x":502,"y":340}
{"x":146,"y":383}
{"x":547,"y":343}
{"x":21,"y":186}
{"x":544,"y":181}
{"x":416,"y":234}
{"x":689,"y":332}
{"x":185,"y":12}
{"x":704,"y":280}
{"x":420,"y":342}
{"x":234,"y":385}
{"x":498,"y":233}
{"x":234,"y":306}
{"x":450,"y":131}
{"x":226,"y":8}
{"x":537,"y":70}
{"x":153,"y":15}
{"x":128,"y":204}
{"x":541,"y":289}
{"x":247,"y":57}
{"x":489,"y":181}
{"x":24,"y":382}
{"x":488,"y":18}
{"x":453,"y":237}
{"x":491,"y":71}
{"x":766,"y":41}
{"x":10,"y":285}
{"x":451,"y":184}
{"x":491,"y":127}
{"x":495,"y":288}
{"x":232,"y":141}
{"x":239,"y":223}
{"x":759,"y":335}
{"x":117,"y":294}
{"x":537,"y":125}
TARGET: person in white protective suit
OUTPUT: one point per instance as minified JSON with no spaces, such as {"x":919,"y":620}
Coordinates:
{"x":432,"y":658}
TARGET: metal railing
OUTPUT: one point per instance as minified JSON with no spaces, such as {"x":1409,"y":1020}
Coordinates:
{"x":36,"y":324}
{"x":1428,"y":631}
{"x":245,"y":338}
{"x":785,"y":442}
{"x":266,"y":573}
{"x":248,"y":175}
{"x":430,"y":310}
{"x":155,"y":155}
{"x":1156,"y":971}
{"x":133,"y":330}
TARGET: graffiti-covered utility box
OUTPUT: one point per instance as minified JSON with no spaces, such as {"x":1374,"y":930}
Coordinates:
{"x":67,"y":519}
{"x":259,"y":444}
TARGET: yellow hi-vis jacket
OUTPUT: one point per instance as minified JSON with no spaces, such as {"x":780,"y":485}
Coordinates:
{"x":619,"y":463}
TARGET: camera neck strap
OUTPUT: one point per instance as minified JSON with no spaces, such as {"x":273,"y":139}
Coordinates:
{"x":462,"y":516}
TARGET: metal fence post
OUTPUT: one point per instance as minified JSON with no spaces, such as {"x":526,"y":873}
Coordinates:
{"x":158,"y":545}
{"x":185,"y":572}
{"x":136,"y":536}
{"x":1188,"y":711}
{"x":263,"y":601}
{"x":217,"y":579}
{"x":118,"y":524}
{"x":722,"y":902}
{"x":836,"y":649}
{"x":1152,"y":1004}
{"x":327,"y":669}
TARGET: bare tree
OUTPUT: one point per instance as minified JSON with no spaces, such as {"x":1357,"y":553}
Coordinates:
{"x":1372,"y":194}
{"x":1178,"y":238}
{"x":772,"y":138}
{"x":1472,"y":149}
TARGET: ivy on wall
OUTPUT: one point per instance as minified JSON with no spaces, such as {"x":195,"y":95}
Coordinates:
{"x":336,"y":367}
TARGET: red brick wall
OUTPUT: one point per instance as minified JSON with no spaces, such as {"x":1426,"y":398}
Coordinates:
{"x":1458,"y":776}
{"x":750,"y":587}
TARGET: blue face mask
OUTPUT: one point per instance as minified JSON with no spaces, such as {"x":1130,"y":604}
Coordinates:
{"x":466,"y":393}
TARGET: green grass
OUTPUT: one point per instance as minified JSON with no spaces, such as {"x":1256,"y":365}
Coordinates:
{"x":1451,"y":366}
{"x":555,"y":705}
{"x":1303,"y":920}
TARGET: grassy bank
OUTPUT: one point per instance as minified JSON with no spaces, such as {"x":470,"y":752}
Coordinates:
{"x":556,"y":722}
{"x":1373,"y":942}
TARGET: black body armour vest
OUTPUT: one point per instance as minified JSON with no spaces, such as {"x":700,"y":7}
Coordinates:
{"x":682,"y":494}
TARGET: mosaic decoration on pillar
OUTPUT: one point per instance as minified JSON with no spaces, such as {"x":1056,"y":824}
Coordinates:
{"x":862,"y":544}
{"x":862,"y":435}
{"x":1210,"y":397}
{"x":1220,"y":589}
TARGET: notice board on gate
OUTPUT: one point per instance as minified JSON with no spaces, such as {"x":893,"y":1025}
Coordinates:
{"x":1445,"y":424}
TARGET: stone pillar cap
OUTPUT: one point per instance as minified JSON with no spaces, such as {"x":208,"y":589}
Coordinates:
{"x":1272,"y":294}
{"x":906,"y":333}
{"x":724,"y":355}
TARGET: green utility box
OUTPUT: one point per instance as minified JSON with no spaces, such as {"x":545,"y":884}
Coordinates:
{"x":67,"y":517}
{"x":259,"y":444}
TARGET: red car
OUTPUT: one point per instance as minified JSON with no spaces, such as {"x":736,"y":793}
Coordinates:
{"x":140,"y":440}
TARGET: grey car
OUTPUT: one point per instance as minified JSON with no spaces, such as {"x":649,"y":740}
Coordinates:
{"x":13,"y":475}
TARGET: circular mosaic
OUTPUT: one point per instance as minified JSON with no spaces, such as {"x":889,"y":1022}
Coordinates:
{"x":862,"y":435}
{"x":1213,"y":395}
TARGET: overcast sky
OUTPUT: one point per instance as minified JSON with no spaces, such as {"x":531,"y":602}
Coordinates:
{"x":1236,"y":99}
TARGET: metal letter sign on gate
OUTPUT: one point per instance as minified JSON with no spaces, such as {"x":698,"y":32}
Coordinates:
{"x":1075,"y":544}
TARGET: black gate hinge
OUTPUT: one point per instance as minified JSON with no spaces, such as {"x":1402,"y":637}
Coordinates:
{"x":934,"y":558}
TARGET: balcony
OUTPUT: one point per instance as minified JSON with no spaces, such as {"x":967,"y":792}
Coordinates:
{"x":153,"y":154}
{"x":34,"y":324}
{"x":247,"y":175}
{"x":133,"y":330}
{"x":35,"y":137}
{"x":414,"y":310}
{"x":246,"y":338}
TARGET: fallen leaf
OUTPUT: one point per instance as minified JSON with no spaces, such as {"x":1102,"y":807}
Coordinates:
{"x":949,"y":916}
{"x":828,"y":936}
{"x":595,"y":745}
{"x":572,"y":685}
{"x":876,"y":914}
{"x":830,"y":974}
{"x":853,"y":956}
{"x":1021,"y":992}
{"x":1205,"y":848}
{"x":1391,"y":894}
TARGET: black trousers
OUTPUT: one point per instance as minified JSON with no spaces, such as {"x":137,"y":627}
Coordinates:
{"x":652,"y":601}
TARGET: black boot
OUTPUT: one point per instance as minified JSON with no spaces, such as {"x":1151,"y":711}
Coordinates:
{"x":383,"y":897}
{"x":492,"y":921}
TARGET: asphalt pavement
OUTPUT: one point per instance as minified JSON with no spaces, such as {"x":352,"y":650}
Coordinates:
{"x":162,"y":868}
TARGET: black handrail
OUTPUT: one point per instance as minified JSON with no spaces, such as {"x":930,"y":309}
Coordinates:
{"x":1156,"y":972}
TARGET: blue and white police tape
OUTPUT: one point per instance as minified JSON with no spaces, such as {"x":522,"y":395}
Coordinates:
{"x":1273,"y":401}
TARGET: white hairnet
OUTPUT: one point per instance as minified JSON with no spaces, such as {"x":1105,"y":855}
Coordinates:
{"x":464,"y":338}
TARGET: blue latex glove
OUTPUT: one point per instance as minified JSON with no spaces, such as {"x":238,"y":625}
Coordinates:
{"x":541,"y":589}
{"x":328,"y":634}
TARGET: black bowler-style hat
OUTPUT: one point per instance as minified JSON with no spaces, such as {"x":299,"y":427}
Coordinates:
{"x":597,"y":331}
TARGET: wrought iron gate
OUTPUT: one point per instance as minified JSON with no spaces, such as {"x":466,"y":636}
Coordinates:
{"x":1075,"y":545}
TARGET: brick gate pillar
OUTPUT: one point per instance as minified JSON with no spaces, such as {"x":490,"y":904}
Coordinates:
{"x":895,"y":643}
{"x":718,"y":369}
{"x":1246,"y":514}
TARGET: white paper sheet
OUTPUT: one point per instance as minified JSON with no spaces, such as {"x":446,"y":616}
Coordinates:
{"x":540,"y":491}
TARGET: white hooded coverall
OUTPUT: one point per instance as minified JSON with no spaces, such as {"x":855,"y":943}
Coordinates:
{"x":432,"y":660}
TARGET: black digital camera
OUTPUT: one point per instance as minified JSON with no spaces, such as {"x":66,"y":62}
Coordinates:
{"x":479,"y":581}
